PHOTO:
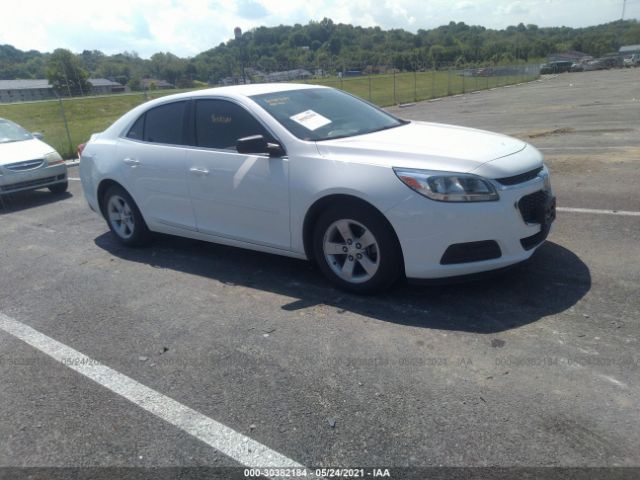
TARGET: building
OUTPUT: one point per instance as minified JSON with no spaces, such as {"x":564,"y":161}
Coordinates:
{"x":25,"y":90}
{"x":41,"y":89}
{"x":571,"y":56}
{"x":154,"y":83}
{"x":297,"y":74}
{"x":629,"y":50}
{"x":234,"y":80}
{"x":100,"y":86}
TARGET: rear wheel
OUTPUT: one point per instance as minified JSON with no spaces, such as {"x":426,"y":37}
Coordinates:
{"x":124,"y":217}
{"x":356,"y":249}
{"x":59,"y":187}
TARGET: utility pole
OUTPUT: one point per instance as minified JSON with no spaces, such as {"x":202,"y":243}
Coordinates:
{"x":624,"y":7}
{"x":237,"y":33}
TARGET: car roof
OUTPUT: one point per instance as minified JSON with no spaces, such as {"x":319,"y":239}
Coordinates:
{"x":245,"y":90}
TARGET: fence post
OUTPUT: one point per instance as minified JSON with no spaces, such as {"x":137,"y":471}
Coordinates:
{"x":449,"y":81}
{"x":433,"y":82}
{"x":415,"y":85}
{"x":394,"y":85}
{"x":66,"y":125}
{"x":370,"y":99}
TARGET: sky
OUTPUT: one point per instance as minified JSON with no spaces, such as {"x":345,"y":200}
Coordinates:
{"x":188,"y":27}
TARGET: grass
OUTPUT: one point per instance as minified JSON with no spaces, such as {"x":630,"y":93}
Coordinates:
{"x":93,"y":114}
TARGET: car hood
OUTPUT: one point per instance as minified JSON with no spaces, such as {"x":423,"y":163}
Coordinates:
{"x":434,"y":146}
{"x":13,"y":152}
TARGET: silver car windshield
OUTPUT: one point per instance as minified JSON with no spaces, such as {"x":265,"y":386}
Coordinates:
{"x":324,"y":113}
{"x":11,"y":132}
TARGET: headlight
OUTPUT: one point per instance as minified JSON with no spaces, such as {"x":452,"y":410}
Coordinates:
{"x":448,"y":187}
{"x":53,"y":158}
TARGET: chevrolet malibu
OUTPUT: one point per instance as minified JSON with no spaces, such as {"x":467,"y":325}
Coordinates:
{"x":315,"y":173}
{"x":27,"y":163}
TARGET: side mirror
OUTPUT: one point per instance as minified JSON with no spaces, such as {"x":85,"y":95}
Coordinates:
{"x":38,"y":135}
{"x":257,"y":144}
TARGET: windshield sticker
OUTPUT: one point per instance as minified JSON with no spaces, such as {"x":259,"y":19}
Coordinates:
{"x":311,"y":120}
{"x":274,"y":102}
{"x":220,"y":119}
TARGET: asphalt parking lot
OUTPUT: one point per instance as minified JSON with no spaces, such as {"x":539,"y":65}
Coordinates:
{"x":535,"y":367}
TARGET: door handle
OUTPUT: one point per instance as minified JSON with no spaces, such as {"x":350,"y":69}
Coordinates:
{"x":199,"y":171}
{"x":131,"y":161}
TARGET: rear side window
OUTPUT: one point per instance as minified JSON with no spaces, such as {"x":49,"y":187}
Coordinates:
{"x":219,"y":124}
{"x":163,"y":124}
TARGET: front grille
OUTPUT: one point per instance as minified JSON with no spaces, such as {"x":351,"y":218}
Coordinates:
{"x":30,"y":183}
{"x":471,"y":252}
{"x":521,"y":178}
{"x":26,"y":165}
{"x":532,"y":206}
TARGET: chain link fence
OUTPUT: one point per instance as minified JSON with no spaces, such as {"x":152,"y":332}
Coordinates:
{"x":408,"y":87}
{"x":67,"y":122}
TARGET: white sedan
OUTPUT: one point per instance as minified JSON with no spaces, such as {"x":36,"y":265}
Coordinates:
{"x":315,"y":173}
{"x":27,"y":163}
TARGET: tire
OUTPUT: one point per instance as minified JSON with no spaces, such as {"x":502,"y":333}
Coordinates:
{"x":356,"y":249}
{"x":59,"y":188}
{"x":124,"y":218}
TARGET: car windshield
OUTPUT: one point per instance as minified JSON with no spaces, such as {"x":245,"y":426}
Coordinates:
{"x":324,"y":113}
{"x":11,"y":132}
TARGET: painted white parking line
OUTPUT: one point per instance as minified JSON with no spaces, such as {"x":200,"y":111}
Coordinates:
{"x":73,"y":178}
{"x":235,"y":445}
{"x":599,"y":212}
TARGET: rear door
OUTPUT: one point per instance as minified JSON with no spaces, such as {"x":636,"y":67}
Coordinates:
{"x":153,"y":157}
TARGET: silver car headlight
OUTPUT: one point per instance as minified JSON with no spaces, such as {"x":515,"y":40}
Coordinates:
{"x":53,"y":158}
{"x":448,"y":187}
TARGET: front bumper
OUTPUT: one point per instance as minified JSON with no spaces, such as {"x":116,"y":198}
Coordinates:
{"x":11,"y":182}
{"x":427,"y":230}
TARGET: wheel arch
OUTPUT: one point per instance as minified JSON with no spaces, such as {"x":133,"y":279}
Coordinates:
{"x":322,"y":204}
{"x":102,"y":189}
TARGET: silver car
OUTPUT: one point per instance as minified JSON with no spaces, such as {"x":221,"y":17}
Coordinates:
{"x":27,"y":163}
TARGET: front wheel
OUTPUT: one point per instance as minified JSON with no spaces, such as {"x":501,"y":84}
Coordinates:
{"x":124,"y":217}
{"x":59,"y":188}
{"x":356,"y":249}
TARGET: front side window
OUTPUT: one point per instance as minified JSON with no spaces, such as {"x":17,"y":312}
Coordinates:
{"x":163,"y":124}
{"x":219,"y":124}
{"x":324,"y":113}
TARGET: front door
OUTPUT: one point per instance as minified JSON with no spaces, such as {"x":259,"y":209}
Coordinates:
{"x":237,"y":196}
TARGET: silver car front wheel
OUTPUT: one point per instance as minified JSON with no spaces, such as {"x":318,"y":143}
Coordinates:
{"x":351,"y":251}
{"x":356,"y":248}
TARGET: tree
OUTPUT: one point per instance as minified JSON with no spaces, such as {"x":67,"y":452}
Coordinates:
{"x":135,"y":84}
{"x":65,"y":73}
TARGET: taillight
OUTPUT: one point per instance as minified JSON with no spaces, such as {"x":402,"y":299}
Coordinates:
{"x":80,"y":149}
